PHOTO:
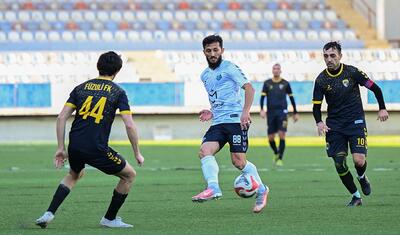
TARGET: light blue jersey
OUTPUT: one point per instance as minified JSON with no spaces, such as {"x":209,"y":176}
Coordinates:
{"x":224,"y":86}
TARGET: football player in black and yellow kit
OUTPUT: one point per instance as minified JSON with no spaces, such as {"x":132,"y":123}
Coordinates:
{"x":345,"y":124}
{"x":275,"y":90}
{"x":95,"y":102}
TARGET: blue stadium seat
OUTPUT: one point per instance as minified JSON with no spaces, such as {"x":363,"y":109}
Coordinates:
{"x":5,"y":26}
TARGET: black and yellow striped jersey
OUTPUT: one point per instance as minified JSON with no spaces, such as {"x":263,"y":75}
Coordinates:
{"x":96,"y":102}
{"x":342,"y":93}
{"x":276,"y":92}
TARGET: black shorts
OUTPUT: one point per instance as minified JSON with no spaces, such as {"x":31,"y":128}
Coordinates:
{"x":109,"y":162}
{"x":228,"y":132}
{"x":355,"y":136}
{"x":277,"y":122}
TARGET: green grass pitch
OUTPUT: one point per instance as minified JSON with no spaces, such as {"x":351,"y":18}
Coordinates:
{"x":306,"y":195}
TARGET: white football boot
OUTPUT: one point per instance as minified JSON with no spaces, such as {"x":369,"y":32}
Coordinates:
{"x":116,"y":223}
{"x":46,"y":218}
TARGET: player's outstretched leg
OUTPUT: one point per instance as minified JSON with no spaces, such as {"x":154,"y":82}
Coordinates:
{"x":61,"y":193}
{"x":347,"y":179}
{"x":210,"y":170}
{"x":263,"y":190}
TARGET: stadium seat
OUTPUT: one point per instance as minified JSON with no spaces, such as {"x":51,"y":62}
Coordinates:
{"x":274,"y":35}
{"x":128,"y":16}
{"x":54,"y":36}
{"x":243,"y":15}
{"x":13,"y":36}
{"x":256,"y":15}
{"x":63,"y":16}
{"x":115,"y":16}
{"x":3,"y":37}
{"x":218,"y":16}
{"x":77,"y":16}
{"x":133,"y":36}
{"x":107,"y":36}
{"x":67,"y":36}
{"x":40,"y":36}
{"x":281,"y":15}
{"x":193,"y":15}
{"x":120,"y":36}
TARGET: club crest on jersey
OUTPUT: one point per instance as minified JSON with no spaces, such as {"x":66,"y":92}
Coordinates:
{"x":219,"y":77}
{"x":270,"y":87}
{"x":281,"y":86}
{"x":345,"y":82}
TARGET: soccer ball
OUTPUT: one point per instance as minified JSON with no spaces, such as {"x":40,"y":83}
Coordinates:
{"x":245,"y":185}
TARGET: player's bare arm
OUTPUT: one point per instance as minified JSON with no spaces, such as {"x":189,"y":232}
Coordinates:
{"x":131,"y":131}
{"x":61,"y":155}
{"x":248,"y":100}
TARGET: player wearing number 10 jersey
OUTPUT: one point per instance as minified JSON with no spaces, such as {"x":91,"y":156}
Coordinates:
{"x":95,"y":102}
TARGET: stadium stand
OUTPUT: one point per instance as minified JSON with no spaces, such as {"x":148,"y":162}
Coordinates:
{"x":131,"y":25}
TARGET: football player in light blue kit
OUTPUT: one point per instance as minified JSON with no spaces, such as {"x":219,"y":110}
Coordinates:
{"x":223,"y":81}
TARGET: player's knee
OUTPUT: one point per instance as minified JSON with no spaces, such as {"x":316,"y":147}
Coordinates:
{"x":204,"y":152}
{"x":239,"y":163}
{"x":340,"y":164}
{"x":128,"y":175}
{"x":359,"y":160}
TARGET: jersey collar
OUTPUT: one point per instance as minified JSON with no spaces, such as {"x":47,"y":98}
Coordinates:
{"x":109,"y":78}
{"x":276,"y":81}
{"x":335,"y":75}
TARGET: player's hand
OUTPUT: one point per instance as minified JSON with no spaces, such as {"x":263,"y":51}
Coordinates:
{"x":245,"y":121}
{"x":263,"y":114}
{"x":295,"y":117}
{"x":383,"y":115}
{"x":205,"y":115}
{"x":322,"y":128}
{"x":60,"y":158}
{"x":139,"y":159}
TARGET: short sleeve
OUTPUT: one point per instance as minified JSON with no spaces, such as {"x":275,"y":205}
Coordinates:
{"x":237,"y":75}
{"x":123,"y":104}
{"x":318,"y":94}
{"x":362,"y":78}
{"x":72,"y":100}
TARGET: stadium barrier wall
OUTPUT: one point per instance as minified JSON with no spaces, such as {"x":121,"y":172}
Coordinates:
{"x":171,"y":126}
{"x":179,"y":97}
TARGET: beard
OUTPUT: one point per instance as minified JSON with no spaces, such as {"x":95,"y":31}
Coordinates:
{"x":216,"y":64}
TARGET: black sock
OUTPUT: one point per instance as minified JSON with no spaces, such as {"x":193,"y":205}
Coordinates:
{"x":272,"y":144}
{"x":361,"y":170}
{"x":116,"y":202}
{"x":281,"y":148}
{"x":59,"y":196}
{"x":348,"y":182}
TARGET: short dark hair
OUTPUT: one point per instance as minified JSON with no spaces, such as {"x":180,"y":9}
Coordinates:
{"x":109,"y":64}
{"x":211,"y":39}
{"x":335,"y":45}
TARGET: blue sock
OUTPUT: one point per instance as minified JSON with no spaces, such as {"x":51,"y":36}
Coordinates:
{"x":210,"y":170}
{"x":251,"y":169}
{"x":357,"y":194}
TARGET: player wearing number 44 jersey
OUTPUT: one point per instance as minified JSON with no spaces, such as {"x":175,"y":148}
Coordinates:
{"x":345,"y":125}
{"x":95,"y":102}
{"x":223,"y":81}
